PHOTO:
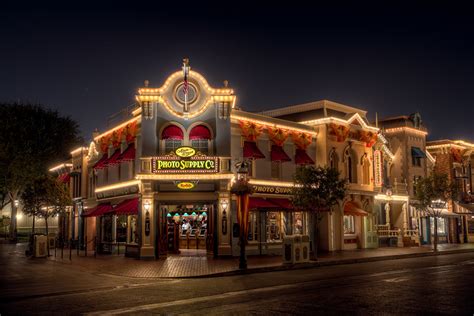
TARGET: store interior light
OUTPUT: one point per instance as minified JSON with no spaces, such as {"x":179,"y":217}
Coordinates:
{"x":169,"y":215}
{"x":176,"y":214}
{"x":204,"y":214}
{"x":193,"y":213}
{"x":186,"y":214}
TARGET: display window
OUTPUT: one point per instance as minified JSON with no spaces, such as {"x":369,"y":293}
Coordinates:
{"x":253,"y":226}
{"x":121,"y":228}
{"x":298,"y":223}
{"x":106,"y":228}
{"x":273,"y":226}
{"x":441,"y":225}
{"x":132,"y":229}
{"x":349,"y":225}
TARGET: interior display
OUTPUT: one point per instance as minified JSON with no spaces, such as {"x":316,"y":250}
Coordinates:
{"x":187,"y":226}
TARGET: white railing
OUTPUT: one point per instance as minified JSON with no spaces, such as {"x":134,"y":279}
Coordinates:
{"x":410,"y":233}
{"x":389,"y":233}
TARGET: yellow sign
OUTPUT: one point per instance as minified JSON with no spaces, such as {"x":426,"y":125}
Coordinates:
{"x":185,"y":152}
{"x":378,"y":176}
{"x":185,"y":185}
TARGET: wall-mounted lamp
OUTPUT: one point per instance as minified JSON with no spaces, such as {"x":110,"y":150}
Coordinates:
{"x":147,"y":205}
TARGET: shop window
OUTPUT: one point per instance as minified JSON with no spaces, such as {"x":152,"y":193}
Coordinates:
{"x":106,"y":226}
{"x":253,"y":226}
{"x":273,"y":226}
{"x":441,"y":226}
{"x":121,"y":228}
{"x":349,"y":224}
{"x":276,"y":169}
{"x":132,"y":229}
{"x":298,"y":223}
{"x":201,"y":145}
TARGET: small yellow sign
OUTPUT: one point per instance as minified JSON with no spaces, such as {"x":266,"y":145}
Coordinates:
{"x":185,"y":152}
{"x":185,"y":185}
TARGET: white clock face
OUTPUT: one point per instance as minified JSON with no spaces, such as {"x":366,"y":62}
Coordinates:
{"x":192,"y":93}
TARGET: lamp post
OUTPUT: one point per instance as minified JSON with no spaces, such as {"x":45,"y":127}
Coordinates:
{"x":242,"y":190}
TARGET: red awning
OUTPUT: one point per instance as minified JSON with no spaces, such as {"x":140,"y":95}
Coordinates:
{"x":114,"y":159}
{"x":200,"y":132}
{"x":102,"y":163}
{"x":278,"y":154}
{"x":283,"y":203}
{"x":172,"y":132}
{"x":257,"y":202}
{"x":99,"y":210}
{"x":64,"y":178}
{"x":302,"y":158}
{"x":128,"y":154}
{"x":352,"y":208}
{"x":127,"y":207}
{"x":251,"y":151}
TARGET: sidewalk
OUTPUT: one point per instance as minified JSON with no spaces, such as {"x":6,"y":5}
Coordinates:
{"x":179,"y":266}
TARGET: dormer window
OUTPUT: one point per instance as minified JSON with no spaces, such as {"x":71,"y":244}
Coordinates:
{"x":172,"y":138}
{"x":200,"y":138}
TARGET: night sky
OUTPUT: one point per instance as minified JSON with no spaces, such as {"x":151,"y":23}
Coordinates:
{"x":88,"y":62}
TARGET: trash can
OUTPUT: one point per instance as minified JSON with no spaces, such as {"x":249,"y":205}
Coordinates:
{"x":305,"y":248}
{"x":40,"y":246}
{"x":288,"y":252}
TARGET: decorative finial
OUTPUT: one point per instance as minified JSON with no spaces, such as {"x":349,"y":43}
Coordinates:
{"x":226,"y":83}
{"x":146,"y":83}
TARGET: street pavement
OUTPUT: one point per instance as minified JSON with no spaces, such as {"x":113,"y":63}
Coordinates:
{"x":198,"y":264}
{"x":430,"y":284}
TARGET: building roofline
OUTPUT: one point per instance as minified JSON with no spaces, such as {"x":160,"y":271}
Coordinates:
{"x":321,"y":104}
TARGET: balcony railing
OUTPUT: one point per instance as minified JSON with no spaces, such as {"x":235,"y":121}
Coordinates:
{"x":410,"y":233}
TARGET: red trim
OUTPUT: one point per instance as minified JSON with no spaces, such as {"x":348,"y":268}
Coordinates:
{"x":128,"y":154}
{"x":200,"y":132}
{"x":99,"y":210}
{"x":172,"y":132}
{"x":283,"y":203}
{"x":251,"y":151}
{"x":278,"y":154}
{"x":352,"y":208}
{"x":102,"y":163}
{"x":302,"y":158}
{"x":127,"y":207}
{"x":64,"y":178}
{"x":114,"y":159}
{"x":256,"y":202}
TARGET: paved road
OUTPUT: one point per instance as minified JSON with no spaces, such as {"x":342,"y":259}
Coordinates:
{"x":435,"y":285}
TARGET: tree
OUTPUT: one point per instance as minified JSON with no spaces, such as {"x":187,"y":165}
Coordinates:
{"x":317,"y":190}
{"x":32,"y":138}
{"x":432,"y":196}
{"x":45,"y":197}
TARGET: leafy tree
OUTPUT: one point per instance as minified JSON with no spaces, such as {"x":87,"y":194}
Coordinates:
{"x":432,"y":196}
{"x":32,"y":138}
{"x":317,"y":190}
{"x":45,"y":197}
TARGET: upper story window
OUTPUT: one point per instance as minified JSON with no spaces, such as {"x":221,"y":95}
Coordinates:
{"x":200,"y":138}
{"x":333,"y":159}
{"x":365,"y":169}
{"x":416,"y":155}
{"x":172,"y":138}
{"x":350,"y":161}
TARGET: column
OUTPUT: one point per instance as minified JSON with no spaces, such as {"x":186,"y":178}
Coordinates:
{"x":223,"y":224}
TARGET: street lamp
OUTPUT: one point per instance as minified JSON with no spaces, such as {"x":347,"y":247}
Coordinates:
{"x":224,"y":205}
{"x":242,"y":189}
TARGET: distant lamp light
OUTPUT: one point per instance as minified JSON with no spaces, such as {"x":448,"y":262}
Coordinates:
{"x":147,"y":205}
{"x":19,"y":216}
{"x":17,"y":203}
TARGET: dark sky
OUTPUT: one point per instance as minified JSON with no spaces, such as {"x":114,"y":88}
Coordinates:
{"x":398,"y":59}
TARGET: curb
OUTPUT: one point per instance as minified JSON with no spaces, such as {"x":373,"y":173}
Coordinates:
{"x":316,"y":264}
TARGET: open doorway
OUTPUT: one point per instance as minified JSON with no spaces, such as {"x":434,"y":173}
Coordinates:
{"x":186,"y":229}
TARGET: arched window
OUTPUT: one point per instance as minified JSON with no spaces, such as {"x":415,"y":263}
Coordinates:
{"x":365,"y":169}
{"x":350,"y":161}
{"x":333,"y":159}
{"x":172,"y":137}
{"x":200,"y":138}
